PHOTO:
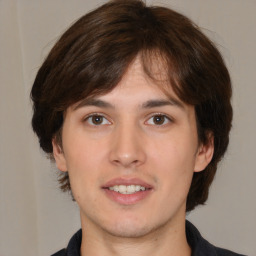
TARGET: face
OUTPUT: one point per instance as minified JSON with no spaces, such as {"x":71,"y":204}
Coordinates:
{"x":131,"y":155}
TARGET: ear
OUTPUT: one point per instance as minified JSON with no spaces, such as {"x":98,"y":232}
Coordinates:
{"x":59,"y":156}
{"x":204,"y":154}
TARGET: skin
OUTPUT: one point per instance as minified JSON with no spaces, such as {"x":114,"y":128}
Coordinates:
{"x":129,"y":138}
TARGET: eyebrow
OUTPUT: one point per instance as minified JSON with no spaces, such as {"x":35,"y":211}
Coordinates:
{"x":93,"y":102}
{"x":146,"y":105}
{"x":160,"y":103}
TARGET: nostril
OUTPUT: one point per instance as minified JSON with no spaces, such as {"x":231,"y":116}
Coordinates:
{"x":125,"y":162}
{"x":126,"y":151}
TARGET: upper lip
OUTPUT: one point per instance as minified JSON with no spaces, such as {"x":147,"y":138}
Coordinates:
{"x":127,"y":181}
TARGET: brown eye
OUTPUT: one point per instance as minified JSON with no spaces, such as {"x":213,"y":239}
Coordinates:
{"x":97,"y":120}
{"x":158,"y":120}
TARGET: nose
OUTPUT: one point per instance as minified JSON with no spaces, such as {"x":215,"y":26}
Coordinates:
{"x":127,"y":147}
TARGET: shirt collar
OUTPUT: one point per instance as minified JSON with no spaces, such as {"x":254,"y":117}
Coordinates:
{"x":199,"y":246}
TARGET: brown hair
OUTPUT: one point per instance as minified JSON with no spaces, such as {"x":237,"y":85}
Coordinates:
{"x":93,"y":54}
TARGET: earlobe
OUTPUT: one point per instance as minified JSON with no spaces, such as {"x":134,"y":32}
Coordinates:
{"x":59,"y":156}
{"x":204,"y":155}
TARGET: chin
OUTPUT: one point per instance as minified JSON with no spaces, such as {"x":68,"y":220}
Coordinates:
{"x":129,"y":227}
{"x":128,"y":230}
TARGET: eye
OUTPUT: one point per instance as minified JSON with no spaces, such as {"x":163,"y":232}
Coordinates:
{"x":158,"y":119}
{"x":97,"y":119}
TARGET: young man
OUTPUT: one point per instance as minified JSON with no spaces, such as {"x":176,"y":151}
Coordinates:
{"x":133,"y":103}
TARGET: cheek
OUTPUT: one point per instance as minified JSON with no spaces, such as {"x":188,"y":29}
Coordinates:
{"x":176,"y":153}
{"x":82,"y":151}
{"x":83,"y":163}
{"x":173,"y":164}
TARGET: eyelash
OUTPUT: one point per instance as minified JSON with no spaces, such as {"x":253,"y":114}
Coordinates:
{"x":167,"y":119}
{"x":99,"y":115}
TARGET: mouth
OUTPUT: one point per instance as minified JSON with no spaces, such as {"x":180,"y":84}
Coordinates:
{"x":127,"y":191}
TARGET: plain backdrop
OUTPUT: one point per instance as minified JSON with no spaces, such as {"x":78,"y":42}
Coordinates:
{"x":35,"y":217}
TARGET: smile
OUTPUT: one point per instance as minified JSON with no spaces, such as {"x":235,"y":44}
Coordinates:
{"x":127,"y":191}
{"x":130,"y":189}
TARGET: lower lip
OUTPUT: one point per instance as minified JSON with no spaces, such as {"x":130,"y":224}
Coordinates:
{"x":127,"y":199}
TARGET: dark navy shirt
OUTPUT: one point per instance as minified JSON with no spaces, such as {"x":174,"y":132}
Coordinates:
{"x":199,"y":246}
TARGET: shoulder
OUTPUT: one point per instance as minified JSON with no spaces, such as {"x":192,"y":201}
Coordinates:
{"x":224,"y":252}
{"x":62,"y":252}
{"x":201,"y":247}
{"x":73,"y":247}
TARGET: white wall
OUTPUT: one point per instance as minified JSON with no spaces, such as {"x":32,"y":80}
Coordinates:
{"x":37,"y":219}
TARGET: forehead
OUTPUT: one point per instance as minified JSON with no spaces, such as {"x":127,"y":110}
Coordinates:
{"x":137,"y":84}
{"x":137,"y":87}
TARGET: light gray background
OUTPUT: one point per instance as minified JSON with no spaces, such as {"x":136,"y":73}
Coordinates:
{"x":35,"y":217}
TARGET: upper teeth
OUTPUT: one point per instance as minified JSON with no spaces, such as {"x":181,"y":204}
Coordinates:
{"x":127,"y":189}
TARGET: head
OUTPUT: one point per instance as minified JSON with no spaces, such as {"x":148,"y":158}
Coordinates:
{"x":94,"y":54}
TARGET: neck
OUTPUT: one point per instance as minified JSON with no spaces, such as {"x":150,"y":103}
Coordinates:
{"x":169,"y":239}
